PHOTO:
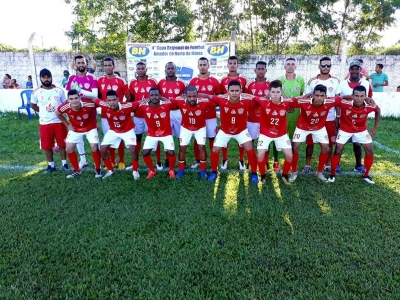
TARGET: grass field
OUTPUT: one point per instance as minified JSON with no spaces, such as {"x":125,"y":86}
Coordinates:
{"x":89,"y":238}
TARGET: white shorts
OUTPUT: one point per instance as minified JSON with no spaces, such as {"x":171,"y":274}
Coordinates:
{"x":104,"y":125}
{"x":318,"y":136}
{"x":75,"y":137}
{"x":114,"y":138}
{"x":140,"y":125}
{"x":359,"y":137}
{"x":176,"y":120}
{"x":254,"y":130}
{"x":151,"y":142}
{"x":211,"y":127}
{"x":282,"y":142}
{"x":222,"y":138}
{"x":186,"y":136}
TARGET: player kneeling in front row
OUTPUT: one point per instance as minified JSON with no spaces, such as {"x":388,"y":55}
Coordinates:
{"x":193,"y":124}
{"x":312,"y":119}
{"x":273,"y":128}
{"x":233,"y":116}
{"x":353,"y":124}
{"x":82,"y":121}
{"x":121,"y":126}
{"x":157,"y":116}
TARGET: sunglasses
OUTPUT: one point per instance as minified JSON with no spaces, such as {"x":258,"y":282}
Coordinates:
{"x":326,"y":66}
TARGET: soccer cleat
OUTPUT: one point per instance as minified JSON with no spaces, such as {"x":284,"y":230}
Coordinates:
{"x":121,"y":166}
{"x":306,"y":170}
{"x":293,"y":177}
{"x":66,"y":168}
{"x":285,"y":179}
{"x":49,"y":170}
{"x":254,"y":178}
{"x":277,"y":167}
{"x":359,"y":169}
{"x":171,"y":174}
{"x":368,"y":179}
{"x":108,"y":174}
{"x":331,"y":178}
{"x":224,"y":165}
{"x":321,"y":176}
{"x":203,"y":174}
{"x":82,"y":165}
{"x":166,"y":164}
{"x":98,"y":174}
{"x":338,"y":170}
{"x":213,"y":176}
{"x":263,"y":178}
{"x":327,"y":169}
{"x":73,"y":175}
{"x":151,"y":174}
{"x":180,"y":174}
{"x":135,"y":175}
{"x":129,"y":168}
{"x":195,"y":164}
{"x":159,"y":166}
{"x":241,"y":165}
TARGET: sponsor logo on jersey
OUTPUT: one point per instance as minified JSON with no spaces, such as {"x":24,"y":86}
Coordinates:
{"x":136,"y":89}
{"x":233,"y":112}
{"x":78,"y":118}
{"x":354,"y":116}
{"x":348,"y":112}
{"x":198,"y":112}
{"x":139,"y":51}
{"x":115,"y":87}
{"x":362,"y":116}
{"x":268,"y":111}
{"x":163,"y":115}
{"x":102,"y":86}
{"x":315,"y":115}
{"x":308,"y":112}
{"x":203,"y":88}
{"x":164,"y":90}
{"x":115,"y":118}
{"x":177,"y":91}
{"x":282,"y":112}
{"x":155,"y":116}
{"x":148,"y":115}
{"x":274,"y":113}
{"x":122,"y":118}
{"x":323,"y":113}
{"x":210,"y":87}
{"x":108,"y":115}
{"x":260,"y":93}
{"x":184,"y":110}
{"x":240,"y":111}
{"x":217,"y":50}
{"x":190,"y":113}
{"x":253,"y":91}
{"x":226,"y":109}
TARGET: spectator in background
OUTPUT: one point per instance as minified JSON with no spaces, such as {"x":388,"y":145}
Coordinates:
{"x":364,"y":72}
{"x":7,"y":81}
{"x":379,"y":79}
{"x":398,"y":89}
{"x":117,"y":73}
{"x":14,"y":84}
{"x":29,"y":83}
{"x":65,"y":78}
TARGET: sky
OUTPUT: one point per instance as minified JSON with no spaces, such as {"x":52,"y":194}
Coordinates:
{"x":51,"y":18}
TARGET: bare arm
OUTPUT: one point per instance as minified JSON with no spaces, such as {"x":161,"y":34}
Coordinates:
{"x":377,"y":120}
{"x":64,"y":120}
{"x":35,"y":107}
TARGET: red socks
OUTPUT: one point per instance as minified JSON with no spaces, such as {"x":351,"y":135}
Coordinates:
{"x":149,"y":162}
{"x":181,"y":165}
{"x":121,"y":151}
{"x":203,"y":165}
{"x":334,"y":162}
{"x":108,"y":164}
{"x":295,"y":161}
{"x":135,"y":165}
{"x":368,"y":162}
{"x":171,"y":160}
{"x":286,"y":167}
{"x":214,"y":160}
{"x":196,"y":150}
{"x":251,"y":156}
{"x":73,"y":159}
{"x":111,"y":151}
{"x":241,"y":153}
{"x":158,"y":153}
{"x":97,"y":159}
{"x":225,"y":153}
{"x":323,"y":157}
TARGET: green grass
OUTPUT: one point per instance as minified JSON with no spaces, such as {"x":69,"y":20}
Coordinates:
{"x":191,"y":239}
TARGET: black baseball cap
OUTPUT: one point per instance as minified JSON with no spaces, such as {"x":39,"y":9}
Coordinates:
{"x":45,"y":72}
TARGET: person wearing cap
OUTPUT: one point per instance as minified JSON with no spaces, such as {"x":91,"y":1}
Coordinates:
{"x":346,"y":90}
{"x":45,"y":100}
{"x":65,"y":78}
{"x":364,"y":72}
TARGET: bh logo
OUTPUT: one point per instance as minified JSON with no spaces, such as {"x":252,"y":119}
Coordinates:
{"x":217,"y":50}
{"x":139,"y":51}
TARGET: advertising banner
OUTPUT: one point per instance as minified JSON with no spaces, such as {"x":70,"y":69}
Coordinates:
{"x":184,"y":55}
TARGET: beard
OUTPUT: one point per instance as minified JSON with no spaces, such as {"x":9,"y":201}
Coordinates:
{"x":47,"y":83}
{"x":81,"y":69}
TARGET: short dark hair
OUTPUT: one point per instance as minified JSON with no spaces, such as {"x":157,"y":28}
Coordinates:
{"x":15,"y":80}
{"x":170,"y":62}
{"x":72,"y":92}
{"x":324,"y":58}
{"x":111,"y":93}
{"x":109,"y":59}
{"x":360,"y":88}
{"x":234,"y":82}
{"x":202,"y":58}
{"x":275,"y":84}
{"x":140,"y":63}
{"x":191,"y":88}
{"x":233,"y":57}
{"x":380,"y":66}
{"x":154,"y":89}
{"x":261,"y":63}
{"x":360,"y":60}
{"x":321,"y":88}
{"x":29,"y":76}
{"x":79,"y":57}
{"x":291,"y":58}
{"x":9,"y":76}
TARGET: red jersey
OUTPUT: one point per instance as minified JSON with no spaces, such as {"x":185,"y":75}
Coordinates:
{"x":225,"y":81}
{"x":83,"y":119}
{"x":257,"y":89}
{"x":158,"y":119}
{"x":193,"y":117}
{"x":140,"y":90}
{"x":233,"y":116}
{"x":171,"y":89}
{"x":116,"y":84}
{"x":352,"y":119}
{"x":273,"y":117}
{"x":120,"y":121}
{"x":314,"y":117}
{"x":209,"y":86}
